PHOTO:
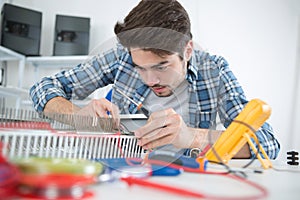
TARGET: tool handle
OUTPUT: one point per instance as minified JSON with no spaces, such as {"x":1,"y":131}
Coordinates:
{"x":145,"y":111}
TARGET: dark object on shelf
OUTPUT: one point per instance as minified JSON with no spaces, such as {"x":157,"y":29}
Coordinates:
{"x":71,"y":35}
{"x":293,"y":158}
{"x":21,"y":29}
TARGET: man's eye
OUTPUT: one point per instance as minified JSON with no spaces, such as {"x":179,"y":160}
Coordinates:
{"x":161,"y":68}
{"x":140,"y":68}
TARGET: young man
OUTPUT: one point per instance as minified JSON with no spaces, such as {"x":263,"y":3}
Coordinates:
{"x":155,"y":63}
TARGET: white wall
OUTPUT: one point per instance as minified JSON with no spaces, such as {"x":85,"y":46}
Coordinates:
{"x":257,"y":37}
{"x":294,"y":139}
{"x":259,"y":40}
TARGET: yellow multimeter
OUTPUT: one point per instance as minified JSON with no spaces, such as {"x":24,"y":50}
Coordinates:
{"x":240,"y":131}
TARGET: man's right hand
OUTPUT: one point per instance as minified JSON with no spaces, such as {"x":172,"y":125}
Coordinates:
{"x":99,"y":108}
{"x":96,"y":108}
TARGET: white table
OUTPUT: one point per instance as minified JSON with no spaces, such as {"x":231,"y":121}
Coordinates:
{"x":280,"y":185}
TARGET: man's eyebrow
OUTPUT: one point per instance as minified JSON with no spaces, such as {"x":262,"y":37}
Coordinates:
{"x":159,"y":64}
{"x":153,"y":66}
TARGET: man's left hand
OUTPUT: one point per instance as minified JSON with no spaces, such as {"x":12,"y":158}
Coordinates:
{"x":165,"y":127}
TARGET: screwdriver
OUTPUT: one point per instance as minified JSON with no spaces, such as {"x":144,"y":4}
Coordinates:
{"x":139,"y":106}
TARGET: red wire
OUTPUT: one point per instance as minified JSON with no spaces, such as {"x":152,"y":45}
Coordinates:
{"x":173,"y":189}
{"x":132,"y":180}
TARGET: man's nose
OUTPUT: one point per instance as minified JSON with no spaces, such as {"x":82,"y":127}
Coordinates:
{"x":151,"y":78}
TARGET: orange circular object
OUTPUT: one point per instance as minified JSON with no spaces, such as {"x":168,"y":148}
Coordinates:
{"x":56,"y":186}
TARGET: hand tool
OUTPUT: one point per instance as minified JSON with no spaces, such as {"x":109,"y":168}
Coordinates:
{"x":140,"y":106}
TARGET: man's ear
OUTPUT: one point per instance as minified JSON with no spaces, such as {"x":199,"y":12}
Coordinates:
{"x":188,"y":50}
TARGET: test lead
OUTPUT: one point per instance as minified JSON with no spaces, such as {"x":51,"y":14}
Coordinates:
{"x":139,"y":106}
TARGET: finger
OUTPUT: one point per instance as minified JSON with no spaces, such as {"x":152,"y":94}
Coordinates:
{"x":162,"y":113}
{"x":153,"y":136}
{"x":159,"y":134}
{"x":158,"y":122}
{"x":97,"y":108}
{"x":104,"y":106}
{"x":157,"y":143}
{"x":151,"y":127}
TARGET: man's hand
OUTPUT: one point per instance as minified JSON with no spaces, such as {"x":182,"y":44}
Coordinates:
{"x":99,"y":108}
{"x":96,"y":108}
{"x":165,"y":127}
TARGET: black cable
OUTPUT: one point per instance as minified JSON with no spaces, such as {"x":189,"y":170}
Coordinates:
{"x":257,"y":142}
{"x":286,"y":170}
{"x":236,"y":172}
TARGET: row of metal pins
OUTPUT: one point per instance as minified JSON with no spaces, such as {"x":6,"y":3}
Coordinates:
{"x":44,"y":144}
{"x":18,"y":118}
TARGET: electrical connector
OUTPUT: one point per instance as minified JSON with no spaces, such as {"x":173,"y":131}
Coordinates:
{"x":293,"y":157}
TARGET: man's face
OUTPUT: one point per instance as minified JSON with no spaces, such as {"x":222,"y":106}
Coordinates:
{"x":161,"y":74}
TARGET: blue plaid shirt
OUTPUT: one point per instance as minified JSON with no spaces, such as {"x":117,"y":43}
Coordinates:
{"x":213,"y":89}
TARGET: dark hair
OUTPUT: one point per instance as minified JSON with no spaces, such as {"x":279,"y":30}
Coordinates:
{"x":160,"y":26}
